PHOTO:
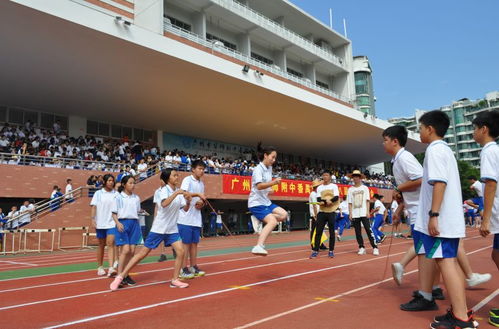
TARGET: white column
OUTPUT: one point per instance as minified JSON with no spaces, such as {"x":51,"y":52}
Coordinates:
{"x":149,"y":15}
{"x":310,"y":72}
{"x":159,"y":140}
{"x":77,"y":126}
{"x":199,"y":26}
{"x":280,"y":59}
{"x":244,"y":44}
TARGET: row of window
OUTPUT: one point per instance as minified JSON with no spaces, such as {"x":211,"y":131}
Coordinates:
{"x":226,"y":43}
{"x":262,"y":58}
{"x":117,"y":131}
{"x":20,"y":116}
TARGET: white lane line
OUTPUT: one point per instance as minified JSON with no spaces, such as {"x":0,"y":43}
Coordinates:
{"x":278,"y":315}
{"x":216,"y":292}
{"x":17,"y":263}
{"x":484,"y":302}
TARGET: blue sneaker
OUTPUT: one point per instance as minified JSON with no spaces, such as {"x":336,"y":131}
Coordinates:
{"x":314,"y":254}
{"x":330,"y":254}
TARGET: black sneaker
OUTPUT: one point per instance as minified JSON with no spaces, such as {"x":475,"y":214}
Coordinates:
{"x":419,"y":303}
{"x":129,"y":281}
{"x":162,"y":258}
{"x":323,"y":247}
{"x":448,"y":316}
{"x":437,"y":293}
{"x":449,"y":321}
{"x":494,"y":320}
{"x":383,"y":238}
{"x":494,"y":312}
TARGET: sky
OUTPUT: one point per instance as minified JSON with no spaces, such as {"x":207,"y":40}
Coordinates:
{"x":424,"y":54}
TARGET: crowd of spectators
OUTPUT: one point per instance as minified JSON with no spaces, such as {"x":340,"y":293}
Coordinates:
{"x":29,"y":145}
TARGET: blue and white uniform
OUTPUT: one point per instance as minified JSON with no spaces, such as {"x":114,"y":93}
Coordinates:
{"x":191,"y":221}
{"x":164,"y":227}
{"x":104,"y":203}
{"x":259,"y":203}
{"x":489,"y":170}
{"x":127,"y":208}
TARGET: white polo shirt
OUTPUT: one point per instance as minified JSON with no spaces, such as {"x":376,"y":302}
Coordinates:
{"x":192,"y":217}
{"x":358,"y":197}
{"x":407,"y":168}
{"x":440,"y":165}
{"x":344,"y":207}
{"x":261,"y":174}
{"x":489,"y":170}
{"x":104,"y":202}
{"x":165,"y":221}
{"x":26,"y":218}
{"x":127,"y":206}
{"x":382,"y":208}
{"x":477,"y":186}
{"x":141,"y":167}
{"x":395,"y":205}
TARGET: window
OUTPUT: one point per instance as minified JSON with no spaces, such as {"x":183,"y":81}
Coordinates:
{"x":226,"y":43}
{"x":148,"y":135}
{"x":178,"y":23}
{"x":3,"y":114}
{"x":361,"y":83}
{"x":31,"y":116}
{"x":103,"y":129}
{"x":16,"y":116}
{"x":363,"y":100}
{"x":127,"y":132}
{"x":262,"y":58}
{"x":322,"y":84}
{"x":92,"y":127}
{"x":138,"y":134}
{"x":116,"y":131}
{"x":295,"y":73}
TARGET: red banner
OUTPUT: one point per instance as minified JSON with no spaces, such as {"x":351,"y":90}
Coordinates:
{"x":233,"y":184}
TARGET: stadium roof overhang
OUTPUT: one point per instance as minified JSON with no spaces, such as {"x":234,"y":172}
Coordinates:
{"x":52,"y":64}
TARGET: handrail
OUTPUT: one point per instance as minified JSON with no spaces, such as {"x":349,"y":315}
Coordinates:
{"x":247,"y":59}
{"x":249,"y":13}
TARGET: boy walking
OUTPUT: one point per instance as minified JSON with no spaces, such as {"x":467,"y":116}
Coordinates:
{"x":440,"y":218}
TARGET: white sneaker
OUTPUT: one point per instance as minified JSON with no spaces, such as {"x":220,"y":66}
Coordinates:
{"x":376,"y":252}
{"x":362,"y":251}
{"x":101,"y":271}
{"x":397,"y":273}
{"x":115,"y":265}
{"x":477,"y":278}
{"x":259,"y":250}
{"x":111,"y":272}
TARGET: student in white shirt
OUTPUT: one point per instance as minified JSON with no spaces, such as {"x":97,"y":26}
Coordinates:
{"x":485,"y":133}
{"x":190,"y":221}
{"x":126,"y":217}
{"x":11,"y":222}
{"x":164,"y":229}
{"x":27,"y":209}
{"x":477,"y":187}
{"x":393,"y":208}
{"x":259,"y":203}
{"x":69,"y":189}
{"x":343,"y":217}
{"x":440,"y":217}
{"x":358,"y":203}
{"x":313,"y":208}
{"x":329,"y":194}
{"x":379,"y":213}
{"x":102,"y":203}
{"x":142,"y":169}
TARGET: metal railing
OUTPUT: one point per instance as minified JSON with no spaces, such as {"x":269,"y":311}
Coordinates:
{"x":274,"y":27}
{"x":168,"y":27}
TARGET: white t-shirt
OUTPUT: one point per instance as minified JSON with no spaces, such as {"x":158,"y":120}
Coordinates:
{"x":165,"y":221}
{"x":344,"y":207}
{"x":407,"y":168}
{"x":68,"y":193}
{"x":358,"y":197}
{"x":331,"y":187}
{"x":191,"y":217}
{"x":127,"y":206}
{"x":26,"y":218}
{"x":489,"y":170}
{"x":261,"y":174}
{"x":382,"y":208}
{"x":219,"y":219}
{"x":312,"y":198}
{"x":394,"y":206}
{"x":104,"y":202}
{"x":440,"y":165}
{"x":477,"y":186}
{"x":142,"y":168}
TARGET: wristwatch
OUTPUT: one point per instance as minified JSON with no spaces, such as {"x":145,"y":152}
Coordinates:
{"x":433,"y":214}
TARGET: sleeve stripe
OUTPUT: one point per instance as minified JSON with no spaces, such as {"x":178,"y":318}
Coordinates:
{"x":435,"y":180}
{"x":485,"y":178}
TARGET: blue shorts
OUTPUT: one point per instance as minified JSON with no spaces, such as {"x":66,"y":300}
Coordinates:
{"x":496,"y":241}
{"x":131,"y":235}
{"x":260,"y":212}
{"x":189,"y":234}
{"x":436,"y":247}
{"x":102,"y":233}
{"x":479,"y":202}
{"x":418,"y":242}
{"x":153,"y":239}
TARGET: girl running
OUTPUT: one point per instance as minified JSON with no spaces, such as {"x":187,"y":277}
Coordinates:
{"x":102,"y":219}
{"x":259,"y":203}
{"x":164,"y":228}
{"x":379,"y":213}
{"x":126,"y":216}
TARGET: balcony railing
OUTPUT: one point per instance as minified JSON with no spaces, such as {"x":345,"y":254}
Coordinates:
{"x":268,"y":24}
{"x":168,"y":27}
